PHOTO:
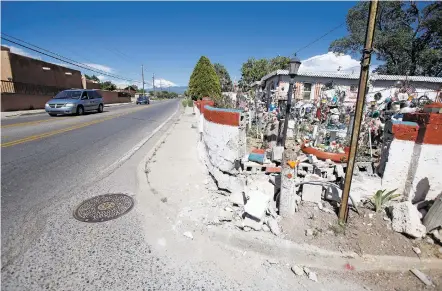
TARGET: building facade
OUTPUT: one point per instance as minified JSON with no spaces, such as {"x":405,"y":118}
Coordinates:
{"x":311,"y":86}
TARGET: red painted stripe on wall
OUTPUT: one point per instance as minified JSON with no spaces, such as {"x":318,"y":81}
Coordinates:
{"x":405,"y":132}
{"x":222,"y":117}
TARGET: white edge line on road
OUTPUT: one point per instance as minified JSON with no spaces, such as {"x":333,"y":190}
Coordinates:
{"x":132,"y":151}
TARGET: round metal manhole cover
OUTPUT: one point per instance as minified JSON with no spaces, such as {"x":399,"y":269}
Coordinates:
{"x":104,"y":207}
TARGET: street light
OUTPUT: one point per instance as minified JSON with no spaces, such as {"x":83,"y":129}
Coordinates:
{"x":294,"y":65}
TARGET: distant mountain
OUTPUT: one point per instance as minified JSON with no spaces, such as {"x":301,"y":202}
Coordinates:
{"x":176,"y":89}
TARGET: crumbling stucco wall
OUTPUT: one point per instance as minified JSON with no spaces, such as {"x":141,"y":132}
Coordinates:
{"x":222,"y":144}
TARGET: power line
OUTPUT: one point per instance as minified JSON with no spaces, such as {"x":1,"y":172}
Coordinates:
{"x":62,"y":58}
{"x":319,"y":38}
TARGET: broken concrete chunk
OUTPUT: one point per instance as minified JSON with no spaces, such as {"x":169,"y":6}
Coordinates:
{"x":297,"y":270}
{"x":309,"y":232}
{"x":257,"y":204}
{"x":188,"y":234}
{"x":225,"y":215}
{"x":277,"y":154}
{"x":252,"y":223}
{"x":265,"y":228}
{"x":424,"y":278}
{"x":405,"y":219}
{"x":237,"y":198}
{"x":274,"y":226}
{"x":312,"y":193}
{"x":417,"y":250}
{"x":339,"y":171}
{"x":312,"y":276}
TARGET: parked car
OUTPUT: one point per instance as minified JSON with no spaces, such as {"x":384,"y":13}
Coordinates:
{"x":143,"y":100}
{"x":75,"y":101}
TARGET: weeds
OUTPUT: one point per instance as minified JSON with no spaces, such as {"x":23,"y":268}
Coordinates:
{"x":379,"y":199}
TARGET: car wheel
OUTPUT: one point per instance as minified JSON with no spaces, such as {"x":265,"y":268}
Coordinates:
{"x":100,"y":108}
{"x":80,"y":110}
{"x":52,"y":114}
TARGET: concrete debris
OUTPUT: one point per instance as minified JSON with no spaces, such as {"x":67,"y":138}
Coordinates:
{"x":247,"y":229}
{"x":297,"y":270}
{"x":437,"y":235}
{"x":274,"y":226}
{"x":251,"y":223}
{"x":277,"y":154}
{"x":309,"y":232}
{"x":261,"y":184}
{"x":386,"y":218}
{"x":429,"y":240}
{"x":257,"y":205}
{"x":339,"y":171}
{"x":406,"y":219}
{"x":265,"y":228}
{"x":320,"y":206}
{"x":417,"y":250}
{"x":312,"y":193}
{"x":370,"y":215}
{"x":424,"y":278}
{"x":237,"y":198}
{"x":188,"y":234}
{"x":311,"y":275}
{"x":225,"y":216}
{"x":328,"y":210}
{"x":228,"y":209}
{"x":271,"y":211}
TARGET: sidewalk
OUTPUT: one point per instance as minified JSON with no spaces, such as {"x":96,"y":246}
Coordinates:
{"x":195,"y":207}
{"x":41,"y":111}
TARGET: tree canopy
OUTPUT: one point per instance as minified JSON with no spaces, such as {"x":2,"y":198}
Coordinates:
{"x":254,"y":69}
{"x":408,"y":36}
{"x":108,"y":85}
{"x":204,"y":81}
{"x":92,"y":78}
{"x":224,"y":77}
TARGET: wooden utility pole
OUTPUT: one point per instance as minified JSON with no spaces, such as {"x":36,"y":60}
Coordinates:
{"x":365,"y":66}
{"x":153,"y":83}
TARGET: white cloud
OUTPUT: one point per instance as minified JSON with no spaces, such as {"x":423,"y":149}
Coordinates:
{"x":163,"y":83}
{"x":101,"y":67}
{"x":19,"y":51}
{"x":330,"y":62}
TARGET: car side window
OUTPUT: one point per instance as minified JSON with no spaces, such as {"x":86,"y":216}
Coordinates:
{"x":97,"y":94}
{"x":84,"y":95}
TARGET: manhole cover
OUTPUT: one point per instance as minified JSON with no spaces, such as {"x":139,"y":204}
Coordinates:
{"x":104,"y":207}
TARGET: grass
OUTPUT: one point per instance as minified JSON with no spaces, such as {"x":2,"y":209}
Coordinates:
{"x":379,"y":199}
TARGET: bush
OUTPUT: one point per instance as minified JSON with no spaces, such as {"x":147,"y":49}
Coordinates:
{"x":204,"y":81}
{"x":184,"y":102}
{"x":189,"y":102}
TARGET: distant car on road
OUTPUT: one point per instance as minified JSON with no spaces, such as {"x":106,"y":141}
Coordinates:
{"x":143,"y":100}
{"x":75,"y":101}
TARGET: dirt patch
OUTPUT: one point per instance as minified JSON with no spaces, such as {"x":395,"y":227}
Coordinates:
{"x":253,"y":143}
{"x":367,"y":233}
{"x":388,"y":281}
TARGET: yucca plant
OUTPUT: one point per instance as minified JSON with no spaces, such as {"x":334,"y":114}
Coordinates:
{"x":379,"y":198}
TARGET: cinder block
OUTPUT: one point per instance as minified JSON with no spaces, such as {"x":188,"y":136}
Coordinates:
{"x":311,"y":193}
{"x":257,"y":204}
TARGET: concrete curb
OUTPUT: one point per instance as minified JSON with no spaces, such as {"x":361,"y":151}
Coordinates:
{"x":315,"y":257}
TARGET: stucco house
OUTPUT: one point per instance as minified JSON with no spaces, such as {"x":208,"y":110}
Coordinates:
{"x":311,"y":85}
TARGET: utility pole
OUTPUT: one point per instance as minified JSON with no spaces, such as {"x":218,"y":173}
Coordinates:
{"x":153,"y":83}
{"x":142,"y":76}
{"x":365,"y":65}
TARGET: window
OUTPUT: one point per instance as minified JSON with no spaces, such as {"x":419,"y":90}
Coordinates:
{"x":84,"y":95}
{"x":307,"y":91}
{"x":97,"y":95}
{"x":91,"y":95}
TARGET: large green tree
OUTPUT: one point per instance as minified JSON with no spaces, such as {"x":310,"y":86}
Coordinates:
{"x":204,"y":81}
{"x":108,"y":85}
{"x":254,"y":69}
{"x":93,"y":78}
{"x":224,"y":77}
{"x":408,"y":36}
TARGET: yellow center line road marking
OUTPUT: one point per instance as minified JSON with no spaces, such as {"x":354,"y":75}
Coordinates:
{"x":34,"y":122}
{"x":52,"y":133}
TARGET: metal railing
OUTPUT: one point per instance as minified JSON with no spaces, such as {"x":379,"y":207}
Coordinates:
{"x":31,"y":89}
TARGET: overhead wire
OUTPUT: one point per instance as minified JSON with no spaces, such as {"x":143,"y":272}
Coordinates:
{"x":63,"y":58}
{"x":321,"y":37}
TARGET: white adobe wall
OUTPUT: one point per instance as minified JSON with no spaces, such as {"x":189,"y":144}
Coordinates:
{"x":388,"y":89}
{"x":428,"y":172}
{"x":398,"y":164}
{"x":222,"y":145}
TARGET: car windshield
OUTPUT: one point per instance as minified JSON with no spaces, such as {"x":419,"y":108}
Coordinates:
{"x":68,"y":95}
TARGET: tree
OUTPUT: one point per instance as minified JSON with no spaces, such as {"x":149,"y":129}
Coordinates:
{"x":254,"y":69}
{"x":92,"y":78}
{"x":108,"y":85}
{"x":204,"y":81}
{"x":408,"y":37}
{"x":224,"y":78}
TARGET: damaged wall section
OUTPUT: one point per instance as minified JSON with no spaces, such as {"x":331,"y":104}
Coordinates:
{"x":222,"y":144}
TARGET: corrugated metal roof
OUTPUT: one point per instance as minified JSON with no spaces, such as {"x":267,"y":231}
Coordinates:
{"x":340,"y":75}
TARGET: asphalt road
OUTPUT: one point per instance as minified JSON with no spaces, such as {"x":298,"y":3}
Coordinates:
{"x":44,"y":158}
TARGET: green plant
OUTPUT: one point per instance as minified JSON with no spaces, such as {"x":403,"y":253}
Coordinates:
{"x":204,"y":81}
{"x":189,"y":102}
{"x":379,"y":198}
{"x":184,"y":102}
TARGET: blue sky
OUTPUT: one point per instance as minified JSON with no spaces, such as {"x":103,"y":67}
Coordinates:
{"x":169,"y":37}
